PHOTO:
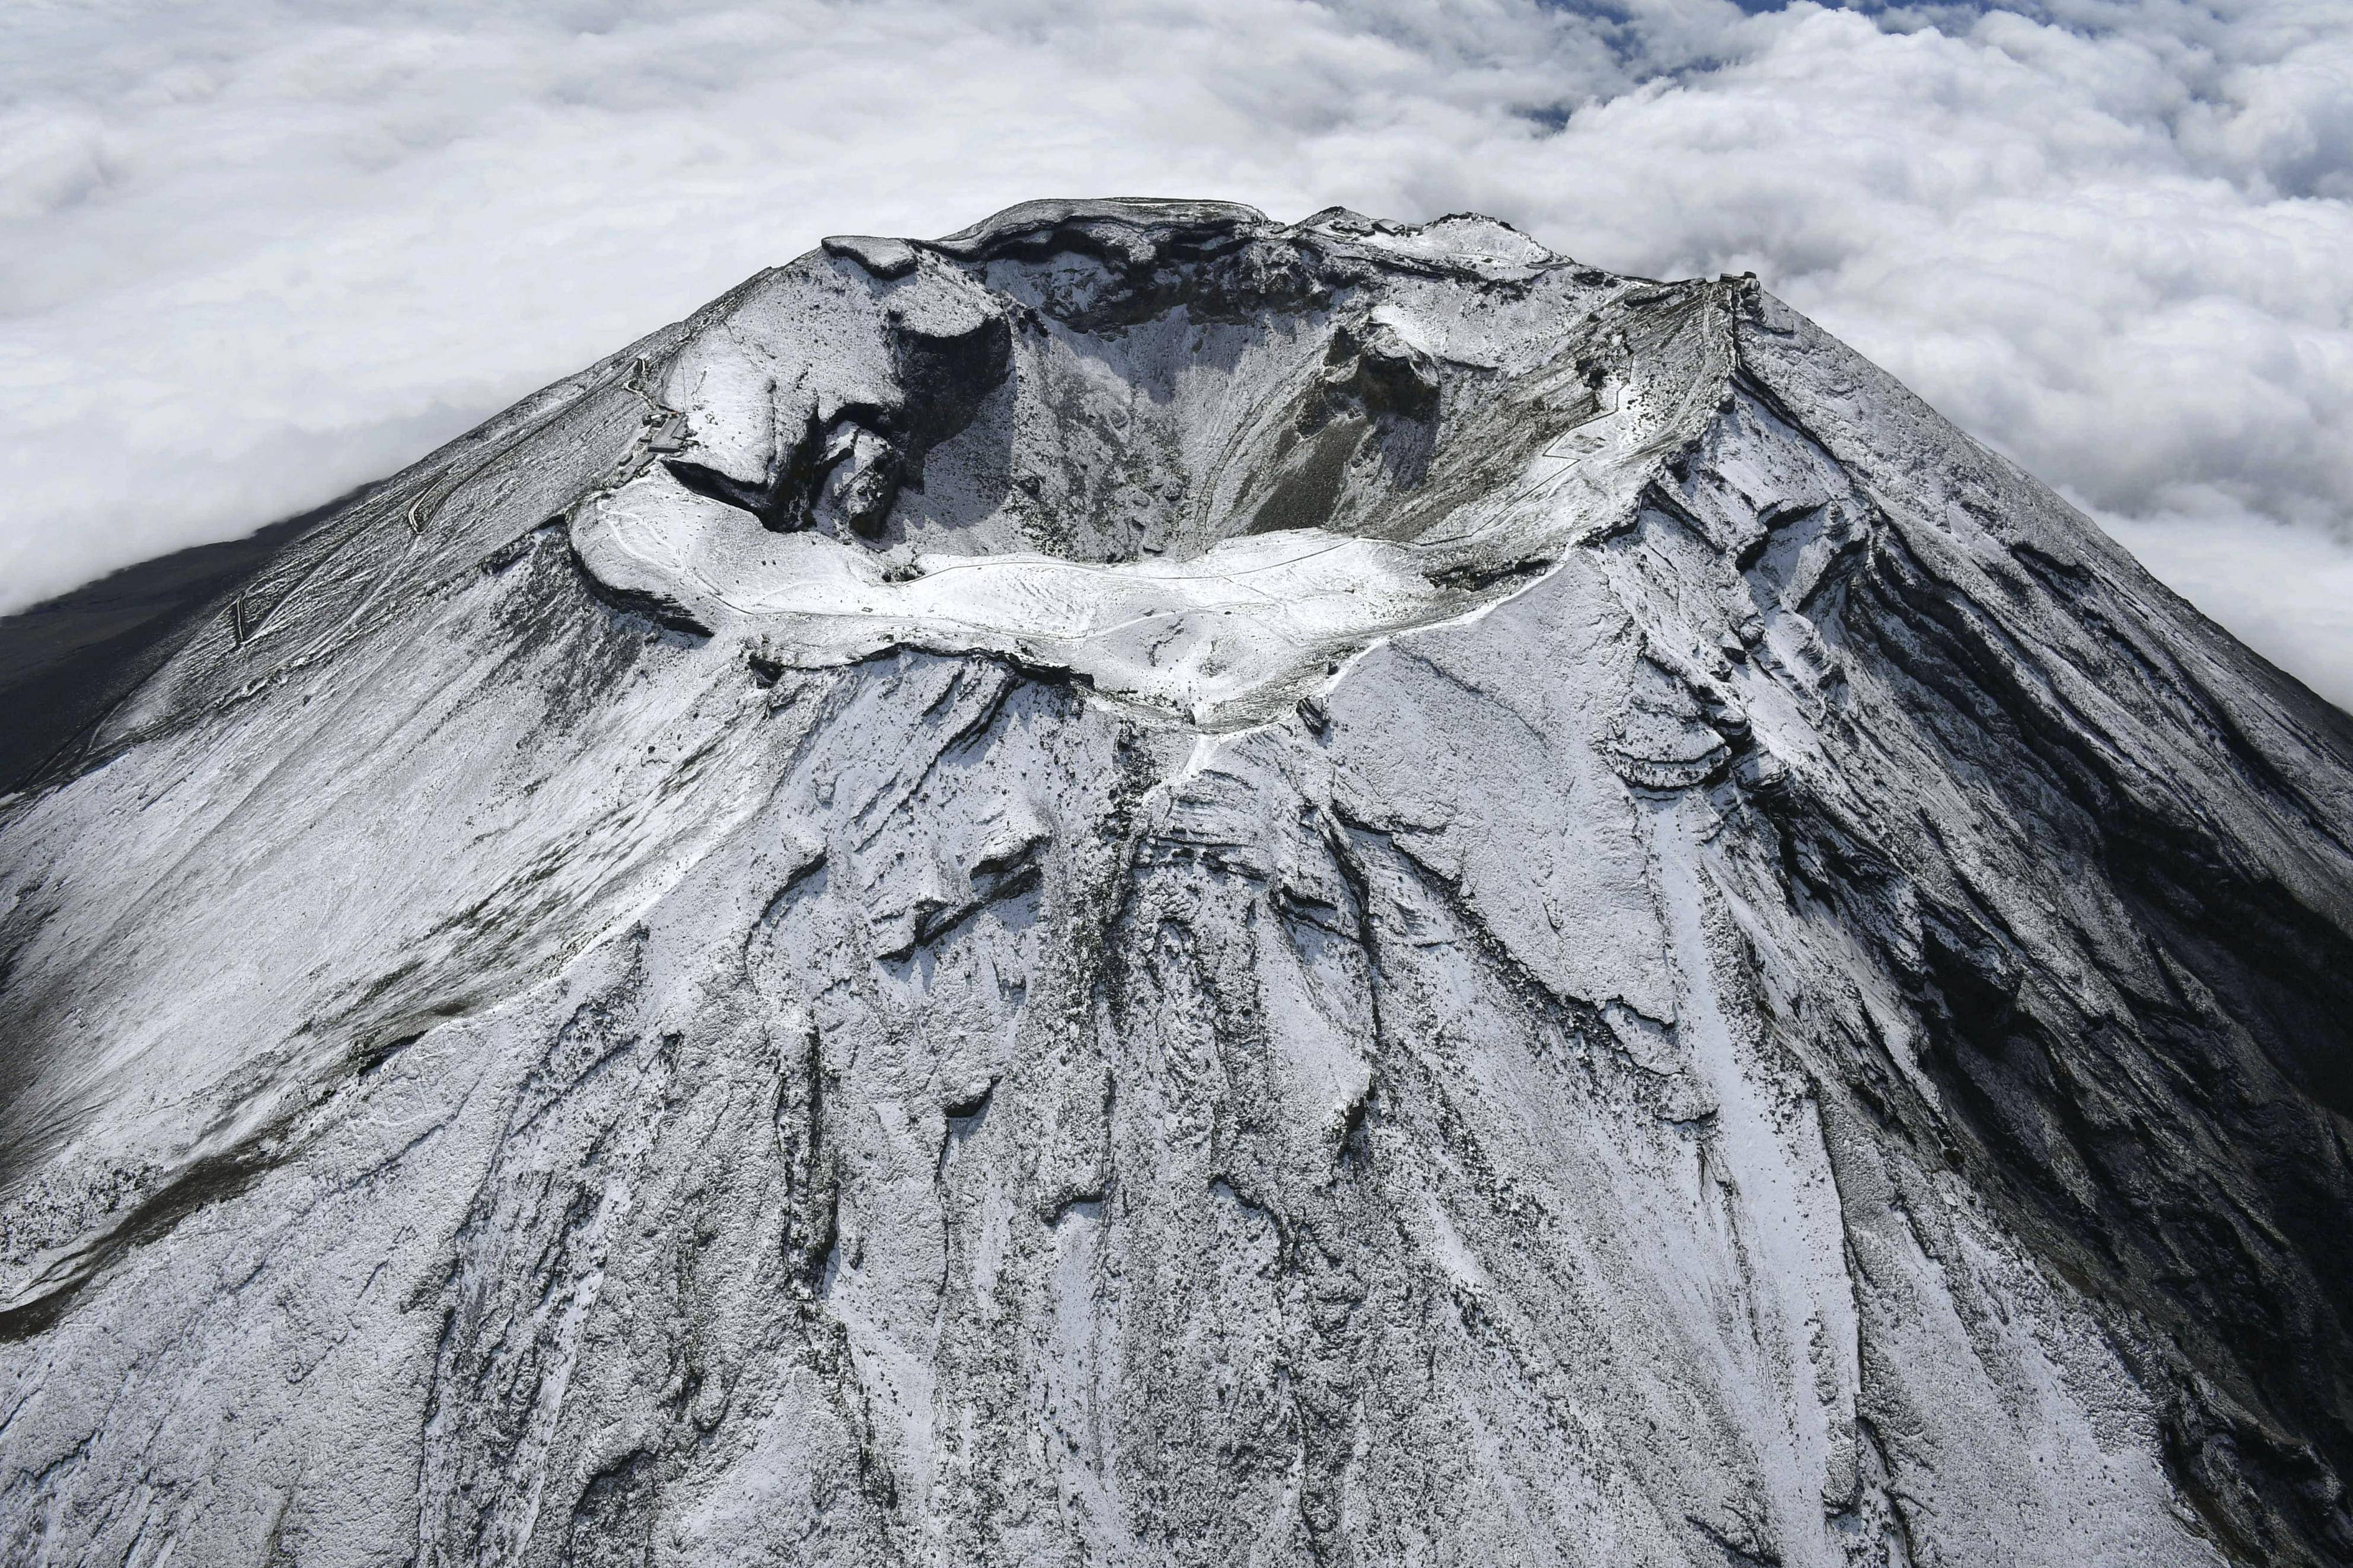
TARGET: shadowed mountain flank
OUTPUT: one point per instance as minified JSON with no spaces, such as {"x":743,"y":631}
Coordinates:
{"x":65,"y":661}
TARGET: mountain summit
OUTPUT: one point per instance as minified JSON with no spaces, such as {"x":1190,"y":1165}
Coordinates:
{"x":1146,"y":886}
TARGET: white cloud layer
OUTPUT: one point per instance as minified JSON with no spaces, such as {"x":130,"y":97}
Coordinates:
{"x":252,"y":253}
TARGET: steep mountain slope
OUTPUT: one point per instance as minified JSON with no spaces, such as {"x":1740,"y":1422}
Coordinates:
{"x":65,"y":663}
{"x":1148,"y":886}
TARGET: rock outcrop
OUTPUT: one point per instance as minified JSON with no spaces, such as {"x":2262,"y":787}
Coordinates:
{"x":1148,"y":886}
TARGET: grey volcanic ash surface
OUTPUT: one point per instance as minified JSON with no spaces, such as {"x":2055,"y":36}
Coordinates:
{"x":1148,"y":887}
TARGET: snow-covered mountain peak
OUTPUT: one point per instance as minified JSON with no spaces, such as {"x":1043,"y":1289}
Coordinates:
{"x":1192,"y":456}
{"x":1144,"y":886}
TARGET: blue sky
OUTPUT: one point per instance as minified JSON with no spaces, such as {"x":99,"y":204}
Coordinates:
{"x":252,"y":253}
